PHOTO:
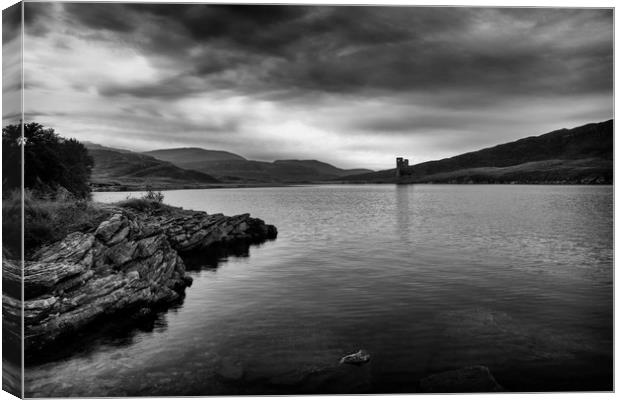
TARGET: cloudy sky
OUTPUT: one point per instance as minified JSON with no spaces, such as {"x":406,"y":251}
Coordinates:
{"x":354,"y":86}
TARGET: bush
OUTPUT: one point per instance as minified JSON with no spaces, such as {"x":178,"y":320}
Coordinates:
{"x":151,"y":201}
{"x":154,"y":196}
{"x":141,"y":204}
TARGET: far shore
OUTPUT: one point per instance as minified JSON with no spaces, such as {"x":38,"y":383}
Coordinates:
{"x":140,"y":188}
{"x":171,"y":186}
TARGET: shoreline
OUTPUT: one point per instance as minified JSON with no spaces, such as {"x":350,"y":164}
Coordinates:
{"x":231,"y":369}
{"x":143,"y":188}
{"x":131,"y":263}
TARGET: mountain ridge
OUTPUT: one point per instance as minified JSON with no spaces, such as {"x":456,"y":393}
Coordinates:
{"x":234,"y":168}
{"x":583,"y":154}
{"x":191,"y":154}
{"x":118,"y":169}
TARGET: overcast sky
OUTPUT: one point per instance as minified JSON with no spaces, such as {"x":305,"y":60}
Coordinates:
{"x":353,"y":86}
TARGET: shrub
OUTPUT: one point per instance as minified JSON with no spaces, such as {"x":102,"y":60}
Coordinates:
{"x":141,"y":204}
{"x":149,"y":202}
{"x":154,"y":196}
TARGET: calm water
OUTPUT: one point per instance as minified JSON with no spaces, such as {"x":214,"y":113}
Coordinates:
{"x":426,"y":278}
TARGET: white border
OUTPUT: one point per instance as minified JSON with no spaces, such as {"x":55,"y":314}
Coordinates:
{"x":472,"y":3}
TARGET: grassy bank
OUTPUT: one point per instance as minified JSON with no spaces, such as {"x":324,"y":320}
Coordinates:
{"x":48,"y":219}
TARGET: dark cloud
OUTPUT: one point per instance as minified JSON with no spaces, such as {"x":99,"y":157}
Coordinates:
{"x":35,"y":17}
{"x":353,"y":49}
{"x":255,"y":28}
{"x":108,"y":16}
{"x":166,"y":89}
{"x":11,"y":22}
{"x":451,"y":64}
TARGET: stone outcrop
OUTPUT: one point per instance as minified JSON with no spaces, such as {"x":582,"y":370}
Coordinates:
{"x":199,"y":231}
{"x":129,"y":263}
{"x":472,"y":379}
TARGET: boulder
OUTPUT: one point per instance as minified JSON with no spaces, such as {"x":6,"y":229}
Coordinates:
{"x":470,"y":379}
{"x":361,"y":357}
{"x":230,"y":369}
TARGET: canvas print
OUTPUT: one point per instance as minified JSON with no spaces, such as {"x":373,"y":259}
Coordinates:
{"x":246,"y":199}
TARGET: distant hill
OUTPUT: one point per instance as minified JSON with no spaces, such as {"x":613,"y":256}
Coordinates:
{"x":579,"y":155}
{"x":322,"y":167}
{"x":184,"y":156}
{"x":115,"y":168}
{"x":229,"y":167}
{"x":96,"y":146}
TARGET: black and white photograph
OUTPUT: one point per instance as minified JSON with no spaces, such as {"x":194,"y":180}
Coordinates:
{"x":244,"y":199}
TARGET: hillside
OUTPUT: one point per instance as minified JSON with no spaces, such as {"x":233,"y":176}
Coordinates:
{"x":579,"y":155}
{"x":322,"y":167}
{"x":123,"y":169}
{"x":229,"y":167}
{"x":184,"y":156}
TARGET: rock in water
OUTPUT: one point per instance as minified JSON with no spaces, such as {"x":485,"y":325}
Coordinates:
{"x":358,"y":358}
{"x":475,"y":378}
{"x":230,"y":369}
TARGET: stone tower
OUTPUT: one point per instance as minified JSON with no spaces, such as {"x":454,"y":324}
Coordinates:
{"x":402,"y":164}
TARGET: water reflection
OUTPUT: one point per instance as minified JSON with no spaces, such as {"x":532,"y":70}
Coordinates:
{"x":120,"y":330}
{"x":402,"y":211}
{"x":104,"y":333}
{"x":217,"y":254}
{"x":515,"y":278}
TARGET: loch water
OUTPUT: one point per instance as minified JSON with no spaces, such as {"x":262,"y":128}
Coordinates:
{"x":426,"y":278}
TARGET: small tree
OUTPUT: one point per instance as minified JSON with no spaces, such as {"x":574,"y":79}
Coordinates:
{"x":11,"y":158}
{"x":50,"y":161}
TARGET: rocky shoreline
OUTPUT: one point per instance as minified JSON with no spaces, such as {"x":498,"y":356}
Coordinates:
{"x":131,"y":263}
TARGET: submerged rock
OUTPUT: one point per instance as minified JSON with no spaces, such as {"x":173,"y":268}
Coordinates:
{"x":230,"y":369}
{"x":358,"y":358}
{"x":475,"y":378}
{"x":129,"y":263}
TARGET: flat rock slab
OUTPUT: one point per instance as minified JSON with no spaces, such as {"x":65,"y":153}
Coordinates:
{"x":476,"y":378}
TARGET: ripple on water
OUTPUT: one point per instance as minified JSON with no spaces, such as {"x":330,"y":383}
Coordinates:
{"x":425,"y":277}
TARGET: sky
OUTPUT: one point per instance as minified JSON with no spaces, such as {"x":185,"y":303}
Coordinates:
{"x":350,"y":85}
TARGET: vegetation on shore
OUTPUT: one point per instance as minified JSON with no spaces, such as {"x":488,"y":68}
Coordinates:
{"x":49,"y":219}
{"x":86,"y":262}
{"x":151,"y":201}
{"x":56,"y":196}
{"x":46,"y":219}
{"x":56,"y":187}
{"x":50,"y":161}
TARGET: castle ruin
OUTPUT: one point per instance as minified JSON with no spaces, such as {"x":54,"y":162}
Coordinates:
{"x":402,"y":167}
